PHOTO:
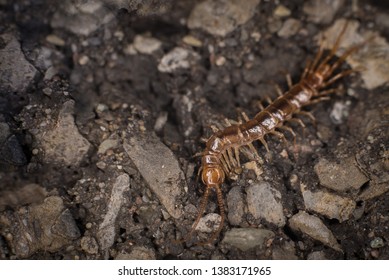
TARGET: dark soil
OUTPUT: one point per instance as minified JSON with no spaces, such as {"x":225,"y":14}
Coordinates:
{"x":115,"y":91}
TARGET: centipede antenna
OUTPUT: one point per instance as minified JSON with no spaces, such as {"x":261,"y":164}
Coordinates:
{"x":220,"y":203}
{"x":199,"y":215}
{"x":335,"y":47}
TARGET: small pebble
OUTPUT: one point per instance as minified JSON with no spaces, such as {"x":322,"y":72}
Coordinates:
{"x":55,"y":40}
{"x":377,"y":242}
{"x":282,"y":11}
{"x":83,"y":60}
{"x":192,"y":41}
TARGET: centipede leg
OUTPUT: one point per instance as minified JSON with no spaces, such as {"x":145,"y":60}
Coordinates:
{"x":279,"y":135}
{"x":290,"y":130}
{"x":308,"y":115}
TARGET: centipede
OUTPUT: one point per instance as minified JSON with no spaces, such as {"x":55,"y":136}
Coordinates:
{"x":221,"y":155}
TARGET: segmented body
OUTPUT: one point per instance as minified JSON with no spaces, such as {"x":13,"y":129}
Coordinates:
{"x":221,"y":154}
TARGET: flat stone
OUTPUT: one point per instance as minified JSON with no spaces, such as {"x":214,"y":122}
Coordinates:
{"x":221,"y":17}
{"x":159,"y":167}
{"x":342,"y":176}
{"x":106,"y":233}
{"x":322,"y":11}
{"x":235,"y":203}
{"x":372,"y":58}
{"x":63,"y":143}
{"x":327,"y":204}
{"x":16,"y":73}
{"x":315,"y":228}
{"x":247,"y":238}
{"x":264,"y":202}
{"x":289,"y":28}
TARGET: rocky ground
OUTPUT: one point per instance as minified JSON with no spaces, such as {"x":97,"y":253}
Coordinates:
{"x":103,"y":105}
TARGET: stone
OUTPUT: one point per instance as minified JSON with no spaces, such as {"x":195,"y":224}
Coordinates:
{"x":159,"y":167}
{"x":178,"y":58}
{"x":247,"y":238}
{"x":315,"y":228}
{"x":146,"y":45}
{"x":289,"y":28}
{"x":221,"y":17}
{"x":322,"y":11}
{"x":62,"y":143}
{"x":264,"y":202}
{"x":327,"y":204}
{"x":106,"y":233}
{"x":16,"y":73}
{"x":343,"y":176}
{"x":235,"y":203}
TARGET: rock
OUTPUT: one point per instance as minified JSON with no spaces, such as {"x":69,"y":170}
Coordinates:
{"x":16,"y":73}
{"x":285,"y":251}
{"x":339,"y":112}
{"x":247,"y":238}
{"x":342,"y":176}
{"x":106,"y":232}
{"x":315,"y":228}
{"x":290,"y":27}
{"x":377,"y":242}
{"x":235,"y":203}
{"x":264,"y":202}
{"x":89,"y":245}
{"x":48,"y":226}
{"x":209,"y":223}
{"x":192,"y":41}
{"x":81,"y":18}
{"x":176,"y":59}
{"x":221,"y":17}
{"x":63,"y":144}
{"x":146,"y":45}
{"x":373,"y":58}
{"x":107,"y":144}
{"x":320,"y":11}
{"x":28,"y":194}
{"x":328,"y":204}
{"x":159,"y":167}
{"x":137,"y":253}
{"x":11,"y":152}
{"x":281,"y":11}
{"x":55,"y":40}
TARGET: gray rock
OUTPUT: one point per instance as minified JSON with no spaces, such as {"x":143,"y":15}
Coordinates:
{"x":235,"y":203}
{"x":327,"y":204}
{"x":48,"y":226}
{"x":63,"y":143}
{"x":322,"y":11}
{"x":159,"y":167}
{"x":289,"y":28}
{"x":222,"y":16}
{"x":16,"y":73}
{"x":315,"y":228}
{"x":264,"y":202}
{"x":176,"y":59}
{"x":106,"y":232}
{"x":373,"y":58}
{"x":81,"y":18}
{"x":107,"y":144}
{"x":377,"y":242}
{"x":247,"y":238}
{"x":285,"y":251}
{"x":342,"y":176}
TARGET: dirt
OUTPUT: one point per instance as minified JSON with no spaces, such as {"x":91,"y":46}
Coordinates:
{"x":65,"y":134}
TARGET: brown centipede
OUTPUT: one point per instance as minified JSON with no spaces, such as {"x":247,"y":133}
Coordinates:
{"x":221,"y":154}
